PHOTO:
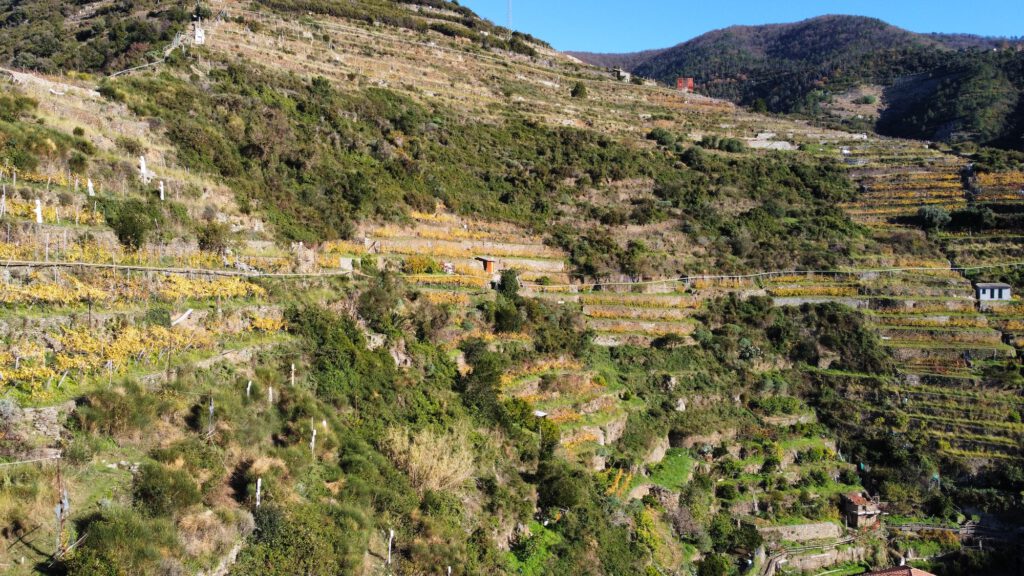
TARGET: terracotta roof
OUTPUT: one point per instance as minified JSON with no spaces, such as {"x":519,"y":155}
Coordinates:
{"x":857,"y":499}
{"x":900,"y":571}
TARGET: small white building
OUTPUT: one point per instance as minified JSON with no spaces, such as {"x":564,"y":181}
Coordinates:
{"x":989,"y":291}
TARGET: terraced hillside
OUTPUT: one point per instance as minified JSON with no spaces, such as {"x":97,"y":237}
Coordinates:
{"x":341,"y":291}
{"x":945,"y":343}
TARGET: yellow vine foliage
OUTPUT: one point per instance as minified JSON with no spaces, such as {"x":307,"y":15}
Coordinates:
{"x":540,"y":367}
{"x":266,"y":324}
{"x":88,"y":351}
{"x":447,"y":298}
{"x":784,"y":291}
{"x":1001,"y":179}
{"x":177,"y":287}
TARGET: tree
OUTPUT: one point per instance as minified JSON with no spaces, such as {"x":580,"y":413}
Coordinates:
{"x":508,"y":285}
{"x":636,"y":260}
{"x":714,"y":565}
{"x":213,"y":237}
{"x":661,"y":136}
{"x":932,"y":218}
{"x":507,"y":317}
{"x":132,"y":220}
{"x":579,"y":90}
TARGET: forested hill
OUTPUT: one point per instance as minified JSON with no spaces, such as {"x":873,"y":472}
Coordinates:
{"x":969,"y":87}
{"x":625,"y":60}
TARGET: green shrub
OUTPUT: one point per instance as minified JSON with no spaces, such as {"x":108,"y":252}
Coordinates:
{"x":560,"y":486}
{"x":507,"y":317}
{"x":163,"y":491}
{"x":302,"y":539}
{"x":213,"y":237}
{"x":117,"y":411}
{"x":662,"y":136}
{"x":727,"y":491}
{"x":715,"y":565}
{"x":14,"y":106}
{"x":120,"y":541}
{"x":132,"y":220}
{"x":131,"y":146}
{"x":932,"y":218}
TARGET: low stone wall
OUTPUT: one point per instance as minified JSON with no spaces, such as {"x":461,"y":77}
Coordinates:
{"x":821,"y":560}
{"x":801,"y":532}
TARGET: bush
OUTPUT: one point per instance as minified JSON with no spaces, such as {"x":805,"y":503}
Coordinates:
{"x":309,"y":539}
{"x":579,"y":90}
{"x":13,"y":107}
{"x":117,"y":411}
{"x":727,"y":491}
{"x":508,"y":286}
{"x":163,"y":491}
{"x":931,"y":218}
{"x":724,"y":144}
{"x":662,"y":136}
{"x":715,"y":565}
{"x":132,"y":220}
{"x":507,"y":317}
{"x":131,"y":146}
{"x":213,"y":237}
{"x":559,"y":486}
{"x":123,"y":542}
{"x":420,"y":264}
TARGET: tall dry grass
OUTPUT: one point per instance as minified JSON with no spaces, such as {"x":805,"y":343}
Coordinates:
{"x":433,"y":461}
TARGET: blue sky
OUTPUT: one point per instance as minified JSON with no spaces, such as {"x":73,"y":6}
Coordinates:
{"x":630,"y":25}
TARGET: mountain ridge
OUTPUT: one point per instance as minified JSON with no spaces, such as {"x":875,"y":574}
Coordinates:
{"x":633,"y":60}
{"x":801,"y":67}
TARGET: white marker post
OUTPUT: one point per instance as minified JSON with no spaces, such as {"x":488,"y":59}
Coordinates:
{"x":161,"y":190}
{"x":143,"y":171}
{"x":259,"y":490}
{"x":312,"y":444}
{"x":248,"y":388}
{"x":39,"y":211}
{"x":90,"y":187}
{"x":270,"y":394}
{"x":391,"y":539}
{"x":293,"y":375}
